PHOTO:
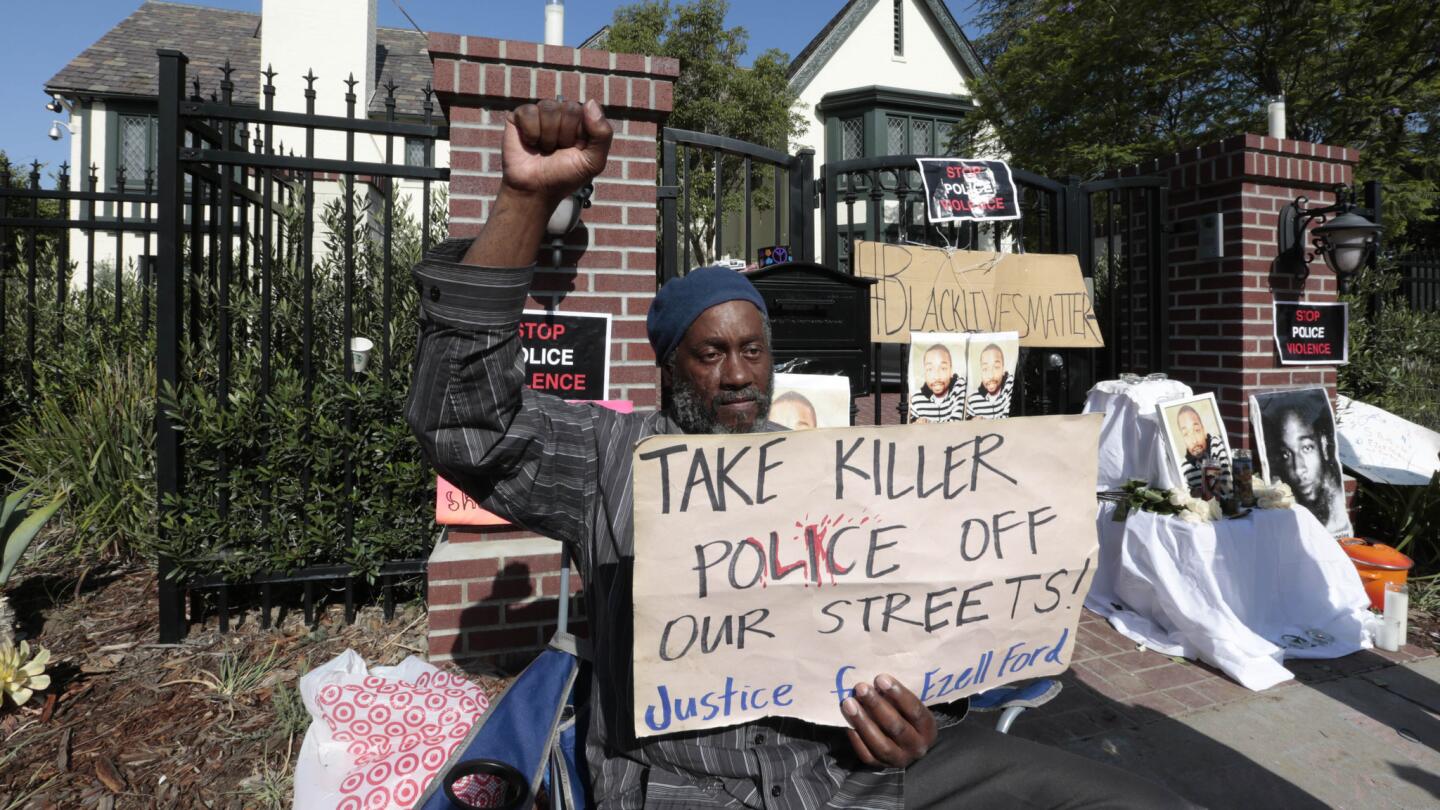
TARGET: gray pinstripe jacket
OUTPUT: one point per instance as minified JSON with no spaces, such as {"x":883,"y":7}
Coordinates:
{"x":563,"y":471}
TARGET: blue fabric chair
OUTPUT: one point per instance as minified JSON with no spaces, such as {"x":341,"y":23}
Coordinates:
{"x":526,"y":745}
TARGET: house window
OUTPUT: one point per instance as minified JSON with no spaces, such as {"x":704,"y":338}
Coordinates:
{"x":136,"y":148}
{"x":899,"y":27}
{"x":852,"y":138}
{"x":920,"y":140}
{"x":895,"y":135}
{"x":417,"y":152}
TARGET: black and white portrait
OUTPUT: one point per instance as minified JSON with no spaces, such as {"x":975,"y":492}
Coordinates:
{"x":1295,"y":434}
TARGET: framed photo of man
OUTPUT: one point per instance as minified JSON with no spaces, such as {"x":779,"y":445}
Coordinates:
{"x":1295,"y":440}
{"x":1195,"y":436}
{"x":936,"y":376}
{"x":991,"y":362}
{"x":802,"y":401}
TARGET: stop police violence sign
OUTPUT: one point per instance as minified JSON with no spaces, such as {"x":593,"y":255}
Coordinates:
{"x":567,"y":354}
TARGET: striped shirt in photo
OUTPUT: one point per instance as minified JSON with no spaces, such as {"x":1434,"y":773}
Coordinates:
{"x":983,"y":406}
{"x":1194,"y":474}
{"x":948,"y":407}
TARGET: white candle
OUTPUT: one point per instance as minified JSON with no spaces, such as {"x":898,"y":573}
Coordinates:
{"x":1385,"y":636}
{"x":1397,"y":610}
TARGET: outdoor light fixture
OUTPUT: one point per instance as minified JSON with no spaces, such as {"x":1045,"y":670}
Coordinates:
{"x":54,"y":105}
{"x":564,"y":220}
{"x":1344,"y":240}
{"x":56,"y":127}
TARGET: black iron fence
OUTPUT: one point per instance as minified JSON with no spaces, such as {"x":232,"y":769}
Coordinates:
{"x":769,"y":194}
{"x":1420,"y":280}
{"x":64,"y":248}
{"x":282,"y":455}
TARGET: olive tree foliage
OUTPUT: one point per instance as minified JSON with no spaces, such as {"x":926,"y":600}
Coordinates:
{"x":1090,"y":86}
{"x":717,"y":94}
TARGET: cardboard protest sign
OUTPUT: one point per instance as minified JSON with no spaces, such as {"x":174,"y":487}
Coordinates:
{"x":1383,"y":447}
{"x":775,"y":571}
{"x":455,"y":508}
{"x":924,"y":289}
{"x":964,"y":190}
{"x":1312,"y":334}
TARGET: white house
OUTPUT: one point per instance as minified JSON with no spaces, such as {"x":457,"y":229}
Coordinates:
{"x":110,"y":88}
{"x":883,"y":77}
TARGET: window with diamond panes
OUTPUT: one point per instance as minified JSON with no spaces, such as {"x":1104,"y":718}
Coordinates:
{"x":852,"y":138}
{"x":895,"y":135}
{"x":415,"y":152}
{"x":137,"y":148}
{"x":921,"y":142}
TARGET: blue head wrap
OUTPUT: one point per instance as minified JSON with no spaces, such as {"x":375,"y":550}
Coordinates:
{"x":681,"y":301}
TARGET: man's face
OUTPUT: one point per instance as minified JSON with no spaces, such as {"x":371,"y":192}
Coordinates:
{"x":722,"y":371}
{"x":1192,"y":433}
{"x":937,"y":371}
{"x":1300,"y":457}
{"x":992,"y":370}
{"x":793,"y":413}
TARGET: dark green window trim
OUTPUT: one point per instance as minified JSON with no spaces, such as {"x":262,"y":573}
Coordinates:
{"x":899,"y":17}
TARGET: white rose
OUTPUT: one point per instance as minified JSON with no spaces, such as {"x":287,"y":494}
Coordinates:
{"x":1215,"y":511}
{"x":1176,"y":496}
{"x":1190,"y":517}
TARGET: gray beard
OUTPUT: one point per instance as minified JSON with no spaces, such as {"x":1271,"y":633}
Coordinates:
{"x":694,"y":414}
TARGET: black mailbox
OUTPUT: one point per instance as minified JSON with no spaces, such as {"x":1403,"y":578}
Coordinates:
{"x":821,"y":316}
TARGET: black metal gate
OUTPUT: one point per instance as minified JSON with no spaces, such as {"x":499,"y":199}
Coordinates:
{"x":1117,"y":228}
{"x":241,"y":327}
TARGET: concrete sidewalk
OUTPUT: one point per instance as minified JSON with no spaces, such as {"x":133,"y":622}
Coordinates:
{"x":1356,"y":732}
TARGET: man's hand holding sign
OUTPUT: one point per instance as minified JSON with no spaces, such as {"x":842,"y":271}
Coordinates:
{"x":952,"y":557}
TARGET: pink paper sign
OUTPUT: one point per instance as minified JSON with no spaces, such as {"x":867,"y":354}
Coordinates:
{"x":455,"y":508}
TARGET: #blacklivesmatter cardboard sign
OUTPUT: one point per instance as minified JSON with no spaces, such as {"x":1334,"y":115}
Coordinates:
{"x":1312,"y":334}
{"x":924,"y":289}
{"x":773,"y":572}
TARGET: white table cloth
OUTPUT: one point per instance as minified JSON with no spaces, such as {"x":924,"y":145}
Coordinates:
{"x":1131,"y":444}
{"x":1131,"y":447}
{"x":1241,"y":595}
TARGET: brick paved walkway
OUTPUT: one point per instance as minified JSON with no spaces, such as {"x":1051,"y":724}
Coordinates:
{"x":1113,"y":685}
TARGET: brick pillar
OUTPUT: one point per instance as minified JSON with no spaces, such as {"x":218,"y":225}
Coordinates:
{"x":1221,"y":331}
{"x":493,"y":592}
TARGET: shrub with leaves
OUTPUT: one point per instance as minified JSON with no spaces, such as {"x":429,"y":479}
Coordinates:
{"x":268,"y":466}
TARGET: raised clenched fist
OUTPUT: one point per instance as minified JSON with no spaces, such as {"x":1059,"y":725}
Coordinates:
{"x":552,"y":148}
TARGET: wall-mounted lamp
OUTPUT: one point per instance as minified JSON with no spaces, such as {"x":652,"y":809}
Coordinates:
{"x":564,"y":220}
{"x":57,"y":127}
{"x":55,"y":104}
{"x":1344,"y":240}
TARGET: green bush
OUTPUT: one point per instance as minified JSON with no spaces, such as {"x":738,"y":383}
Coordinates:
{"x":1394,"y":351}
{"x":278,"y":462}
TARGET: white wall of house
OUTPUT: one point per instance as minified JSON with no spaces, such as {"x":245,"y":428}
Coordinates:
{"x":335,"y":38}
{"x":867,"y":58}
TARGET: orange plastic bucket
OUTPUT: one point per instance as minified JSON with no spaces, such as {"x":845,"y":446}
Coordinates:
{"x":1378,"y":565}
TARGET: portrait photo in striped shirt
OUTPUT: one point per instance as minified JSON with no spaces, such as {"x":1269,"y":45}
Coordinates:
{"x":936,"y":377}
{"x":991,"y":360}
{"x":1194,"y":435}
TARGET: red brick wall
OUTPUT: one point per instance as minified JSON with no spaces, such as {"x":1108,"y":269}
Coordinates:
{"x":1221,"y":336}
{"x":493,"y":593}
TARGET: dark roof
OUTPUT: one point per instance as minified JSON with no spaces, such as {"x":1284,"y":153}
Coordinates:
{"x":123,"y":63}
{"x":597,"y":40}
{"x":850,"y":15}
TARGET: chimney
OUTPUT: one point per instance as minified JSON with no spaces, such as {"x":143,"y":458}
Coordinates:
{"x":335,"y":38}
{"x":554,"y":22}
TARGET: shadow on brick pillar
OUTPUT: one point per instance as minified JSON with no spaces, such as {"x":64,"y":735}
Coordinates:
{"x":493,"y":591}
{"x":1221,"y":337}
